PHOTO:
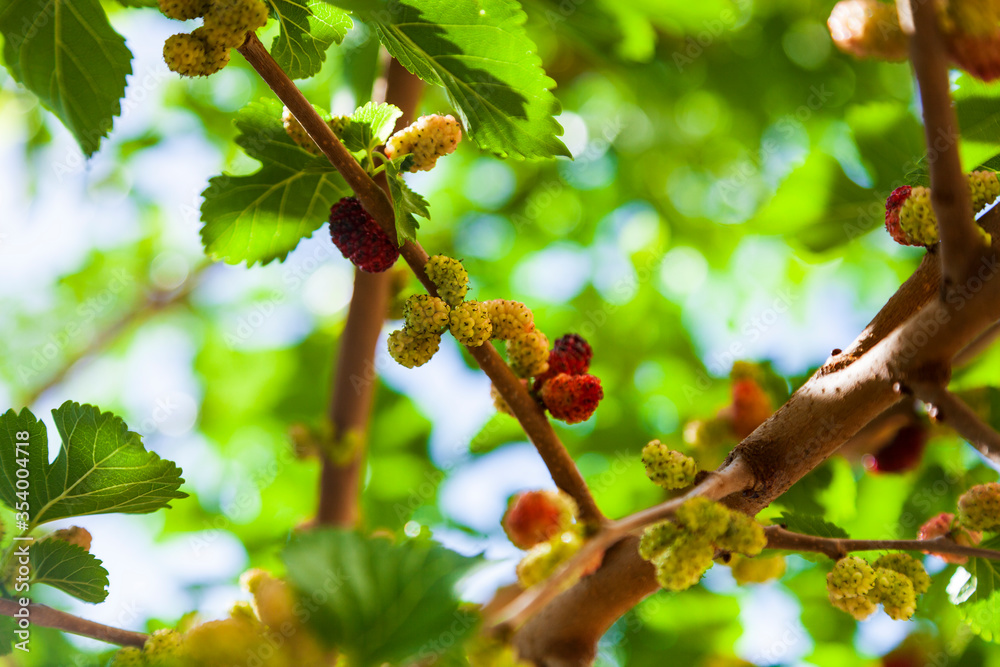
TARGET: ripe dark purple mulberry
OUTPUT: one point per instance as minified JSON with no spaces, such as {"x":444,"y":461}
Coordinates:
{"x":359,"y":238}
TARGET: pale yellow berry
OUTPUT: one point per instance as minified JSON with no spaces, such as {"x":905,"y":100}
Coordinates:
{"x":509,"y":318}
{"x":682,"y":565}
{"x":860,"y":607}
{"x":850,"y":577}
{"x":756,"y":570}
{"x":895,"y":592}
{"x":743,"y":535}
{"x":704,"y":517}
{"x":528,"y":353}
{"x":412,"y":350}
{"x":979,"y":507}
{"x":427,"y":139}
{"x":656,"y":539}
{"x":907,"y":565}
{"x":426,"y":314}
{"x":543,"y":559}
{"x":449,"y":277}
{"x":470,"y":323}
{"x":668,"y":468}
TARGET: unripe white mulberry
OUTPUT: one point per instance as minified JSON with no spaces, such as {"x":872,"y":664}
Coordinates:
{"x":756,"y":570}
{"x":906,"y":565}
{"x":850,"y":577}
{"x":229,"y":21}
{"x":668,"y":468}
{"x":427,"y":139}
{"x":412,"y":350}
{"x":705,"y":517}
{"x":425,"y":314}
{"x":860,"y":607}
{"x":509,"y":318}
{"x":656,"y":539}
{"x":979,"y":507}
{"x":895,"y":592}
{"x":743,"y":535}
{"x":183,"y":10}
{"x":543,"y":559}
{"x":528,"y":353}
{"x":684,"y":562}
{"x":470,"y":323}
{"x":450,"y":278}
{"x":129,"y":656}
{"x":164,"y":648}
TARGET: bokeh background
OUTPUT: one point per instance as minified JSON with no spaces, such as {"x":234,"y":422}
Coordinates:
{"x":724,"y":203}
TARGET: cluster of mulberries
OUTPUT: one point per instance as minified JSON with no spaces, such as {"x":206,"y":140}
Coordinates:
{"x":427,"y":139}
{"x":566,"y":389}
{"x":668,"y":468}
{"x":360,"y":238}
{"x":206,"y":50}
{"x":682,"y":550}
{"x":427,"y":317}
{"x":910,"y":219}
{"x":894,"y":580}
{"x":245,"y":632}
{"x":867,"y":29}
{"x":945,"y":525}
{"x":298,"y":134}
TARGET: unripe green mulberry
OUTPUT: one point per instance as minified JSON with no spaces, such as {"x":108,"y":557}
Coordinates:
{"x":684,"y":562}
{"x":979,"y":507}
{"x":470,"y":323}
{"x":895,"y":592}
{"x":743,"y":535}
{"x":426,"y":314}
{"x":656,"y":539}
{"x":543,"y":559}
{"x":427,"y":139}
{"x":528,"y":353}
{"x":916,"y":217}
{"x":229,"y":21}
{"x":297,"y":133}
{"x":183,"y":10}
{"x":185,"y":54}
{"x":668,"y":468}
{"x":412,"y":350}
{"x":985,"y":188}
{"x":450,"y":278}
{"x":850,"y":577}
{"x":164,"y":648}
{"x":756,"y":570}
{"x":860,"y":607}
{"x":338,"y":124}
{"x":907,"y":565}
{"x":703,"y":516}
{"x":129,"y":656}
{"x":509,"y":318}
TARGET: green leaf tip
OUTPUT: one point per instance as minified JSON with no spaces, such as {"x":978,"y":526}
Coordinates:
{"x":101,"y":467}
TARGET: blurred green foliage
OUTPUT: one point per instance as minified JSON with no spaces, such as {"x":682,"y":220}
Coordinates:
{"x":725,"y":202}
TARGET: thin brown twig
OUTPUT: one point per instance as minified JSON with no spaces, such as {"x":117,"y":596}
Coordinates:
{"x":837,"y":548}
{"x":961,"y":243}
{"x":977,"y":346}
{"x":47,"y":617}
{"x":953,"y":411}
{"x":716,"y":486}
{"x":531,"y":417}
{"x":155,"y":301}
{"x":354,"y":374}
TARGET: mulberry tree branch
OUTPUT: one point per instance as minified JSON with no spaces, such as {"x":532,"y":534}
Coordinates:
{"x":836,"y":548}
{"x":531,"y":417}
{"x":47,"y":617}
{"x":961,"y":243}
{"x":354,"y":374}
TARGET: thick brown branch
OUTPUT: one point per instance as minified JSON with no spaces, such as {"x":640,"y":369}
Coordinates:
{"x":560,"y":464}
{"x":951,"y":410}
{"x":836,"y":548}
{"x":977,"y":346}
{"x":47,"y":617}
{"x":354,"y":376}
{"x":829,"y":409}
{"x":961,"y":243}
